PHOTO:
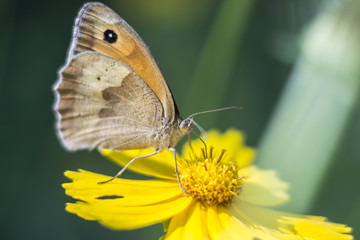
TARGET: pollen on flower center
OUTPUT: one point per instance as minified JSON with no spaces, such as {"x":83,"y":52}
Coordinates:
{"x":210,"y":177}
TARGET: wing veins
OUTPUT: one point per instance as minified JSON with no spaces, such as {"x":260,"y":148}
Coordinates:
{"x":98,"y":143}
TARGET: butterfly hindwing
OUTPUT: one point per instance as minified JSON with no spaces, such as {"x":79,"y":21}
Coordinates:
{"x":99,"y":107}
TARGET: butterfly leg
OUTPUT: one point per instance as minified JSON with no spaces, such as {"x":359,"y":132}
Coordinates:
{"x":128,"y":164}
{"x":205,"y":148}
{"x":189,"y":140}
{"x":176,"y":170}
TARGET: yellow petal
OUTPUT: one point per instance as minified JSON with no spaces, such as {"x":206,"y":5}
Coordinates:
{"x":118,"y":217}
{"x":215,"y":228}
{"x":234,"y":228}
{"x":124,"y":204}
{"x":160,"y":165}
{"x":175,"y":228}
{"x":232,"y":141}
{"x":260,"y":221}
{"x":189,"y":224}
{"x":318,"y":229}
{"x":85,"y":187}
{"x":263,"y":187}
{"x":272,"y":225}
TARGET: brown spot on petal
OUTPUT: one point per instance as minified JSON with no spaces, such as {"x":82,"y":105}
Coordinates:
{"x":110,"y":197}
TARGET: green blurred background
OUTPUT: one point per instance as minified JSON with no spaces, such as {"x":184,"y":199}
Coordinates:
{"x":293,"y":65}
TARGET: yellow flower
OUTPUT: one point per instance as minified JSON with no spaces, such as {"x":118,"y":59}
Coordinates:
{"x":227,"y":196}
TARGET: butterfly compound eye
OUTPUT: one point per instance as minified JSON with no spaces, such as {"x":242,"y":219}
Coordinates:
{"x":110,"y":36}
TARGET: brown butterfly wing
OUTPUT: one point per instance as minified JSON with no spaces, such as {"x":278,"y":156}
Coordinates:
{"x":98,"y":28}
{"x":102,"y":103}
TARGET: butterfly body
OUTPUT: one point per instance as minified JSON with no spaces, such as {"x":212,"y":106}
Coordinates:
{"x":111,"y":93}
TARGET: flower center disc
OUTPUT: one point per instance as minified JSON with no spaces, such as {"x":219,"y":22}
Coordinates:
{"x":210,"y":178}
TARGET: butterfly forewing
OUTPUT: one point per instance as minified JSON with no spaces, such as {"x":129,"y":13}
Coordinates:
{"x":102,"y":108}
{"x":111,"y":93}
{"x":100,"y":29}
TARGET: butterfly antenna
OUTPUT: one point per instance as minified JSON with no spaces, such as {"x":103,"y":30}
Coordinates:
{"x":201,"y":129}
{"x":215,"y":110}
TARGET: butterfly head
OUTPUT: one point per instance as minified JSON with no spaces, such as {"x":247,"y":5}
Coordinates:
{"x":186,"y":125}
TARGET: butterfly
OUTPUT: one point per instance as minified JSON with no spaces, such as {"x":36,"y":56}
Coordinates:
{"x":111,"y":94}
